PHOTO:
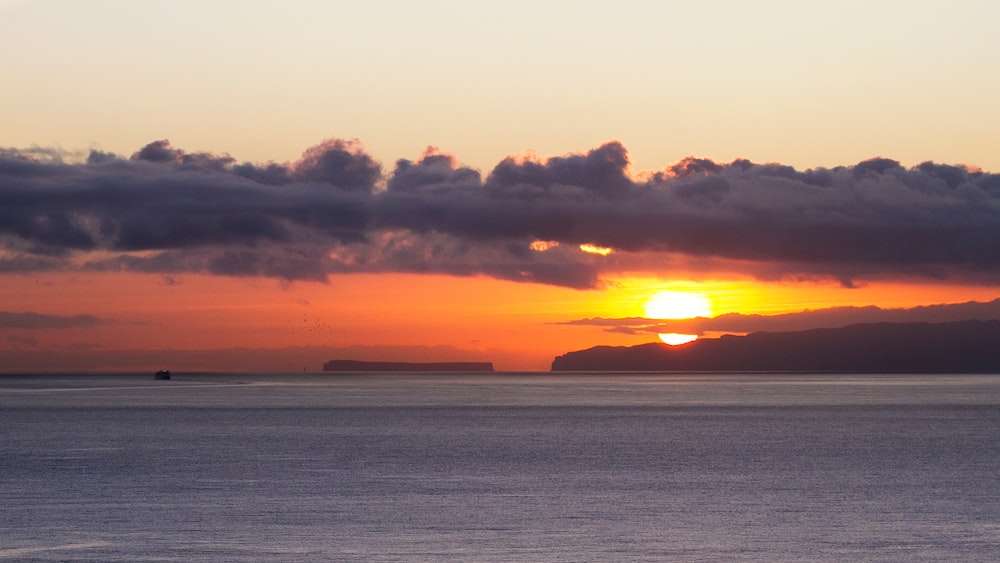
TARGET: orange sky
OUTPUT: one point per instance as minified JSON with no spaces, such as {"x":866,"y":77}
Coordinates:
{"x":509,"y":323}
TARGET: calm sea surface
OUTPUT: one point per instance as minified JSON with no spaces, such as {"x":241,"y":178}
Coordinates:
{"x":496,"y":468}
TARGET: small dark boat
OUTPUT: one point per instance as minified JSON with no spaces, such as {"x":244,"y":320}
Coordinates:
{"x":163,"y":374}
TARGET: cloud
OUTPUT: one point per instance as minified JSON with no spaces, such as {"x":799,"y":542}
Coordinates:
{"x":435,"y":171}
{"x":601,"y":172}
{"x":17,"y":342}
{"x":343,"y":164}
{"x":821,"y":318}
{"x":32,"y":321}
{"x":335,"y":210}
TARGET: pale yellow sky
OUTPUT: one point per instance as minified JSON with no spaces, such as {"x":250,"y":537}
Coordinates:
{"x":803,"y":83}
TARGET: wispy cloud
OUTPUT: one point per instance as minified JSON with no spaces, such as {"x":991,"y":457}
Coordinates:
{"x":31,"y":321}
{"x":336,"y":210}
{"x":17,"y":342}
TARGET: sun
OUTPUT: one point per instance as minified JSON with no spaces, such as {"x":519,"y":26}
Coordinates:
{"x":676,"y":339}
{"x":668,"y":304}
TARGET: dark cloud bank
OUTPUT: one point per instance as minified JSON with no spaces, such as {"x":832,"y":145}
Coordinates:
{"x":338,"y":210}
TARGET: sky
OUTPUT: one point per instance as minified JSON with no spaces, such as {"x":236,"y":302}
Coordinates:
{"x":263,"y":185}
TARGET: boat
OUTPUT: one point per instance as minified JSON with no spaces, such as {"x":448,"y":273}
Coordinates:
{"x":163,"y":374}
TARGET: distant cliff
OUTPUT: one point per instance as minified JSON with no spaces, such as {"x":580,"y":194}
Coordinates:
{"x":357,"y":365}
{"x":958,"y":347}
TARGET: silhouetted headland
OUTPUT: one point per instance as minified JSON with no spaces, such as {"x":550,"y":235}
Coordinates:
{"x":358,"y":365}
{"x":956,"y":347}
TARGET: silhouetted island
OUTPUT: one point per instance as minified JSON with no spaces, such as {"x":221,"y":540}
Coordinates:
{"x":957,"y":347}
{"x":358,"y":365}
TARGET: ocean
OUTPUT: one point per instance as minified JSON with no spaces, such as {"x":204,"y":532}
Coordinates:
{"x":506,"y":467}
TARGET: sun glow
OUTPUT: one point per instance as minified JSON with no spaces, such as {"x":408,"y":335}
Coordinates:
{"x":675,"y":339}
{"x":594,"y":249}
{"x":669,"y":304}
{"x":544,"y":245}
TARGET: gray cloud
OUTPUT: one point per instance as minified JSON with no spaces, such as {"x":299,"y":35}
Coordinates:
{"x":30,"y":320}
{"x":18,"y":342}
{"x":168,"y":211}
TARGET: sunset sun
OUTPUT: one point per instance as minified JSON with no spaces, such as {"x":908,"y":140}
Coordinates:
{"x":669,"y":304}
